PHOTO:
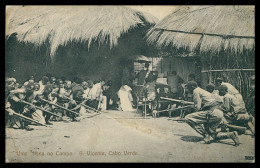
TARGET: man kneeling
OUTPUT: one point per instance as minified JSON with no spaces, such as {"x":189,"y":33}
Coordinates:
{"x":208,"y":117}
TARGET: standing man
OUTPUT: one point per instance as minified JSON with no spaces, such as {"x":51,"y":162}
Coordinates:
{"x":207,"y":117}
{"x":174,"y":82}
{"x":143,"y":74}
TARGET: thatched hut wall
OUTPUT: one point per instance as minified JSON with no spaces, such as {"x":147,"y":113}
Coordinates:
{"x":222,"y":36}
{"x":234,"y":68}
{"x":91,"y":41}
{"x":23,"y":60}
{"x":75,"y":59}
{"x":100,"y":61}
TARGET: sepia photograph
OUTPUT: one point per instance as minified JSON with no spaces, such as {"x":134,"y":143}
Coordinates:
{"x":129,"y":84}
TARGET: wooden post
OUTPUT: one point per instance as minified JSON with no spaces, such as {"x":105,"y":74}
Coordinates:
{"x":144,"y":107}
{"x":170,"y":63}
{"x":210,"y":68}
{"x":161,"y":65}
{"x":152,"y":63}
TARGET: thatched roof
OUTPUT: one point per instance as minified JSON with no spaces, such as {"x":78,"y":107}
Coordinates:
{"x":207,"y":28}
{"x":142,"y":59}
{"x":62,"y":24}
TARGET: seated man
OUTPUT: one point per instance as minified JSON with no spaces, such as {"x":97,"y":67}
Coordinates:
{"x":215,"y":93}
{"x":43,"y":83}
{"x":162,"y":91}
{"x":94,"y":95}
{"x":108,"y":93}
{"x":150,"y":91}
{"x":234,"y":109}
{"x":75,"y":103}
{"x":231,"y":89}
{"x":207,"y":118}
{"x":250,"y":100}
{"x":15,"y":98}
{"x":47,"y":95}
{"x":105,"y":96}
{"x":62,"y":100}
{"x":86,"y":88}
{"x":150,"y":88}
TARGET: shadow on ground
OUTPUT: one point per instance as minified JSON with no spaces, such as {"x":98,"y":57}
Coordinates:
{"x":187,"y":138}
{"x":191,"y":138}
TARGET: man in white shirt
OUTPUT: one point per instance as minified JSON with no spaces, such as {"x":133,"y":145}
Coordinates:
{"x":43,"y":83}
{"x":94,"y":95}
{"x":84,"y":84}
{"x":207,"y":118}
{"x":231,"y":89}
{"x":215,"y":93}
{"x":234,"y":110}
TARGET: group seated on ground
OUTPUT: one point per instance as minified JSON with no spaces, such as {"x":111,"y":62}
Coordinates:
{"x":52,"y":99}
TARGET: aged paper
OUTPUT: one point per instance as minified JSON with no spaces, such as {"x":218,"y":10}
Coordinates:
{"x":123,"y":59}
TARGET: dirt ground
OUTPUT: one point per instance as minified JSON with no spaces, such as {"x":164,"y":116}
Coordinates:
{"x":116,"y":136}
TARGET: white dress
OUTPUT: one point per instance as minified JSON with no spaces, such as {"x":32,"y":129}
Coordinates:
{"x":126,"y":98}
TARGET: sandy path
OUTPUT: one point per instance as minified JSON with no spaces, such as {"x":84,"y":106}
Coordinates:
{"x":120,"y":137}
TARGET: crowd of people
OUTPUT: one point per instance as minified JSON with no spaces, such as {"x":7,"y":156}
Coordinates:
{"x":219,"y":105}
{"x":52,"y":99}
{"x":218,"y":111}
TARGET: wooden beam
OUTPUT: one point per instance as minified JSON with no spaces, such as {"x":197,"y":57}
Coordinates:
{"x":176,"y":100}
{"x":208,"y":34}
{"x":226,"y":70}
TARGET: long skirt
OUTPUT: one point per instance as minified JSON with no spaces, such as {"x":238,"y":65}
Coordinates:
{"x":125,"y":100}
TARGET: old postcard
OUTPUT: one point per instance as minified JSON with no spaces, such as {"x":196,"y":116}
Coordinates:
{"x":118,"y":83}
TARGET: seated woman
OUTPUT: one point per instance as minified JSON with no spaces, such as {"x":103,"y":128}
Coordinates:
{"x":125,"y":96}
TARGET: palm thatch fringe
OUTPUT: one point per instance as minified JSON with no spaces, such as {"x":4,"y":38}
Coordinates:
{"x":221,"y":28}
{"x":62,"y":24}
